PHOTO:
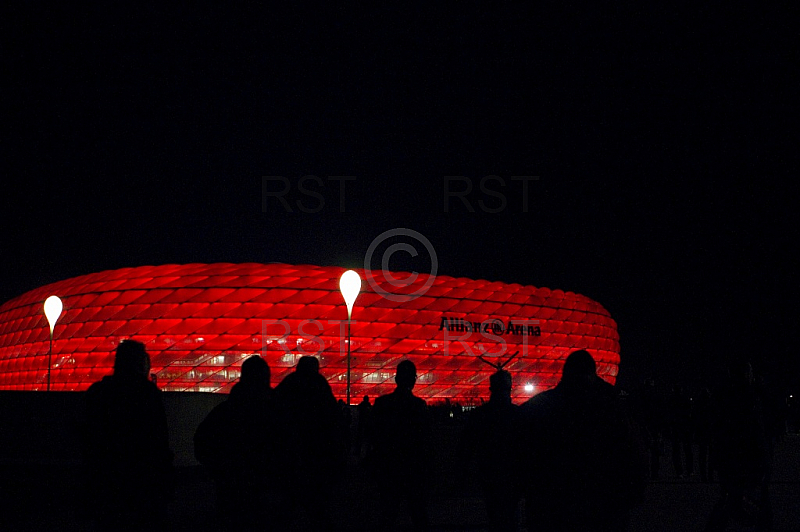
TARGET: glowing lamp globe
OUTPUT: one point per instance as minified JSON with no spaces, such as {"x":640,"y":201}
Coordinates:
{"x":350,"y":286}
{"x":52,"y":310}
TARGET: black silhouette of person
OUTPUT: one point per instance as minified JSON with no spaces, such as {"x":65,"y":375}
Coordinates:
{"x":741,"y":453}
{"x":583,"y":465}
{"x":400,"y":457}
{"x":244,"y":444}
{"x":701,"y":421}
{"x":491,"y":436}
{"x":680,"y":414}
{"x":651,"y":410}
{"x":346,"y":415}
{"x":315,"y":423}
{"x":363,"y":410}
{"x":129,"y":462}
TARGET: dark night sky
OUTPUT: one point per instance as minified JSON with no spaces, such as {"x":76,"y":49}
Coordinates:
{"x":664,"y":140}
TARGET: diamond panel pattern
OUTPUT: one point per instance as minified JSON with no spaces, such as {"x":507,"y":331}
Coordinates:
{"x":200,"y":321}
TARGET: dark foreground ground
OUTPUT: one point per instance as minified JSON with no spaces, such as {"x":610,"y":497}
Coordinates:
{"x":48,"y":498}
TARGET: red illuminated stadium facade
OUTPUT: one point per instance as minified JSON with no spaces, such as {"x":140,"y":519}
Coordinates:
{"x":200,"y":321}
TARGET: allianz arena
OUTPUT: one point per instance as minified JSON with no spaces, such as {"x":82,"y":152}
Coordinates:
{"x":200,"y":321}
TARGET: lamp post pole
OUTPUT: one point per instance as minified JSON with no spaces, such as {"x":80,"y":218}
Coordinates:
{"x":349,"y":319}
{"x":52,"y":310}
{"x":350,"y":286}
{"x":49,"y":359}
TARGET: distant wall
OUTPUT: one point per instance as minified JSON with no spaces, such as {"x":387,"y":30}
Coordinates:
{"x":40,"y":428}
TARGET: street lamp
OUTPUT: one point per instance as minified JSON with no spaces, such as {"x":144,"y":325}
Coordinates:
{"x":52,"y":310}
{"x":350,"y":286}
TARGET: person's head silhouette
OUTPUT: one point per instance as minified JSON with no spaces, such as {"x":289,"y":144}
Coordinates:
{"x":406,"y":375}
{"x":308,"y":364}
{"x":500,"y":384}
{"x":579,"y":369}
{"x":131,"y":360}
{"x":255,"y":371}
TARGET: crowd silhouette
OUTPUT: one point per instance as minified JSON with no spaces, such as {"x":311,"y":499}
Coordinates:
{"x":584,"y":465}
{"x":400,"y":457}
{"x":248,"y":453}
{"x":573,"y":458}
{"x":491,"y":438}
{"x":129,"y":462}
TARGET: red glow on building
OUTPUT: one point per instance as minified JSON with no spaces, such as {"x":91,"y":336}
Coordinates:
{"x":200,"y":321}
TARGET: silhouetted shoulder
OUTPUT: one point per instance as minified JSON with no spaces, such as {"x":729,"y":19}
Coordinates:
{"x":397,"y":400}
{"x":381,"y":401}
{"x":288,"y":385}
{"x":420,"y":403}
{"x":539,"y":401}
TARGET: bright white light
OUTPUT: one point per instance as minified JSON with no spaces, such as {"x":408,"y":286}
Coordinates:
{"x":350,"y":286}
{"x":529,"y":388}
{"x":52,"y":310}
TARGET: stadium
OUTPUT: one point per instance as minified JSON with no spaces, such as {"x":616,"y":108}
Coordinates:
{"x":200,"y":321}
